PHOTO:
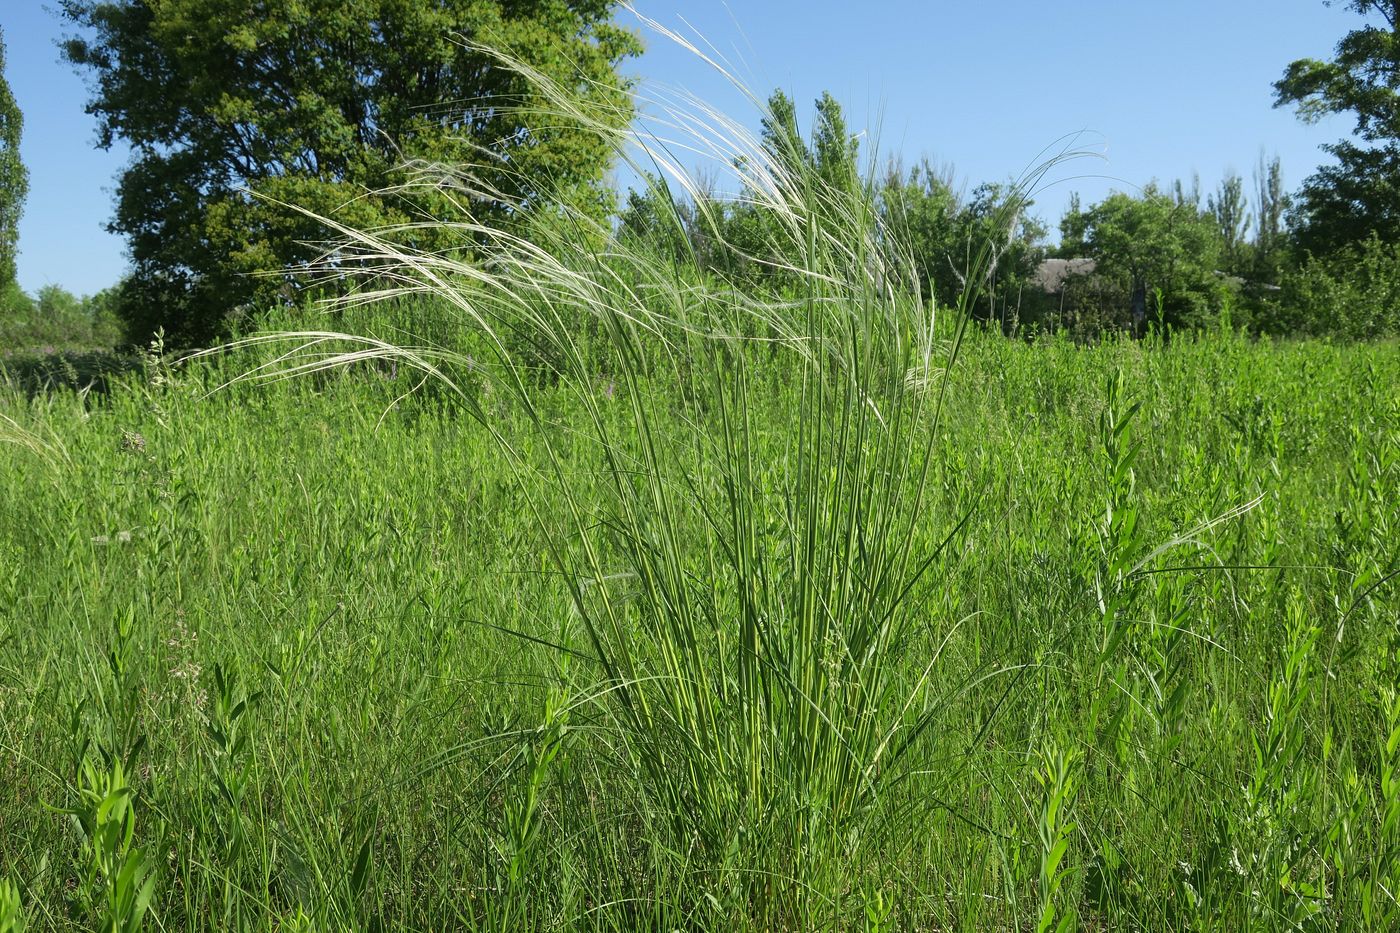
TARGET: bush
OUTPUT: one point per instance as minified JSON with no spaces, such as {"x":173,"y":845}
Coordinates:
{"x":57,"y":318}
{"x":1354,"y":294}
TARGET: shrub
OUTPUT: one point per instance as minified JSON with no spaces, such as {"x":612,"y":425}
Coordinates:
{"x":56,"y":318}
{"x":1353,"y":294}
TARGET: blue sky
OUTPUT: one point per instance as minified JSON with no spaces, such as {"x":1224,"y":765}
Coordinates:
{"x":1163,"y":89}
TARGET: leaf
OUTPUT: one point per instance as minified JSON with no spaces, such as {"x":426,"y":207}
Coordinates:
{"x":360,"y":875}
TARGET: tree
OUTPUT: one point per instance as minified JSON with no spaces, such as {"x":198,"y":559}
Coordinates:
{"x":1343,"y":204}
{"x":1155,"y":242}
{"x":236,"y":109}
{"x":835,"y":151}
{"x":1072,"y":229}
{"x":56,"y":318}
{"x":1353,"y":294}
{"x":650,"y":219}
{"x":758,"y":244}
{"x":983,"y":247}
{"x":14,"y":180}
{"x":1271,"y":203}
{"x":922,"y":208}
{"x":1187,"y":196}
{"x":999,"y":246}
{"x":1230,"y":211}
{"x":750,"y":239}
{"x":1359,"y":195}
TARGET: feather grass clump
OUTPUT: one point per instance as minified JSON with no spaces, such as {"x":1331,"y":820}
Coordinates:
{"x":738,"y":608}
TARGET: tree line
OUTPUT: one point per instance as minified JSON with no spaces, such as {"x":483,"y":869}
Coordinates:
{"x":361,"y":109}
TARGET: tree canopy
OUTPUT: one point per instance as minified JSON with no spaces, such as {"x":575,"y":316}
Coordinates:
{"x":14,"y":180}
{"x":1153,"y":243}
{"x":235,"y":110}
{"x":1358,"y":195}
{"x":1230,"y":211}
{"x":740,"y":236}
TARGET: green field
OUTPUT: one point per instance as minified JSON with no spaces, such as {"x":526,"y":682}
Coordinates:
{"x":784,"y":546}
{"x":353,"y":664}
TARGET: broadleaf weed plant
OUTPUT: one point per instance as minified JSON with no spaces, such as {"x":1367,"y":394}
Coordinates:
{"x":1120,"y":545}
{"x":115,"y":878}
{"x":1277,"y":851}
{"x":228,"y":763}
{"x":741,"y":603}
{"x":1380,"y":890}
{"x":12,"y":916}
{"x":1058,"y":779}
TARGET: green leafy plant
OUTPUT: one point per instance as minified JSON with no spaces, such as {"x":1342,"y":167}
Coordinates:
{"x":11,"y":910}
{"x":1058,"y":780}
{"x":116,"y":880}
{"x":1379,"y":903}
{"x":14,"y":180}
{"x":523,"y":816}
{"x":1277,"y":847}
{"x":204,"y":261}
{"x":1120,"y":538}
{"x":228,"y":759}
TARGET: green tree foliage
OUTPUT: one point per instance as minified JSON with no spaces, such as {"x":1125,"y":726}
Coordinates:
{"x":1344,"y":203}
{"x":986,"y":246}
{"x":1353,"y":293}
{"x":1000,"y":244}
{"x":922,"y":208}
{"x":1072,"y":230}
{"x":235,"y":110}
{"x":1270,"y":205}
{"x":741,"y":237}
{"x":781,"y":137}
{"x":14,"y":180}
{"x":761,"y":242}
{"x":1359,"y":194}
{"x":1230,"y":211}
{"x":757,"y":245}
{"x":55,"y":318}
{"x":1153,"y":243}
{"x":650,"y":217}
{"x":835,"y":151}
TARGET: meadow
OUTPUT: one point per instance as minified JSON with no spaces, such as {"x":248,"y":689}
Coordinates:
{"x":550,"y":584}
{"x":304,"y":647}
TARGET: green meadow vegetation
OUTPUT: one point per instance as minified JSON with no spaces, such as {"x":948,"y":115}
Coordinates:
{"x":288,"y":657}
{"x":708,"y":572}
{"x":567,"y":587}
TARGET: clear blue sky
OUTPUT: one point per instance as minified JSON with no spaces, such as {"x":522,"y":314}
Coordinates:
{"x":1164,"y":88}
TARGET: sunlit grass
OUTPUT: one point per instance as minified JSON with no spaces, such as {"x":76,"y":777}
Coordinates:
{"x":377,"y":594}
{"x":561,"y":587}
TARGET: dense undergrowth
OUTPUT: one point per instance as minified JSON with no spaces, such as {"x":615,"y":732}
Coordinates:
{"x":554,"y":585}
{"x":320,"y":642}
